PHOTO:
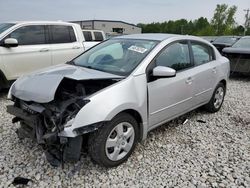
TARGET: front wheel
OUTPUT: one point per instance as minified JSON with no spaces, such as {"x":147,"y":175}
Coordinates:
{"x":112,"y":144}
{"x":217,"y":99}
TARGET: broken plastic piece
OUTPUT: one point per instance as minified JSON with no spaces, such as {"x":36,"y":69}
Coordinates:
{"x":186,"y":120}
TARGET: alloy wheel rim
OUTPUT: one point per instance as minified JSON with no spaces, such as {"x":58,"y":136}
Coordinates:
{"x":120,"y":141}
{"x":218,"y":98}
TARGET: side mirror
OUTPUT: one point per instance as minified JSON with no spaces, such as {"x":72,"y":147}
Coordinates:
{"x":10,"y":42}
{"x":163,"y":72}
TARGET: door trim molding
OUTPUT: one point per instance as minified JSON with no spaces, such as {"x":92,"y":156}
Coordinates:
{"x":172,"y":105}
{"x":196,"y":95}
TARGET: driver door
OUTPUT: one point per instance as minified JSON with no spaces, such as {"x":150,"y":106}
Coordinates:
{"x":170,"y":97}
{"x":32,"y":53}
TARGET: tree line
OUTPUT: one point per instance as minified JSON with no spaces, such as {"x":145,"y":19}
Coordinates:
{"x":222,"y":23}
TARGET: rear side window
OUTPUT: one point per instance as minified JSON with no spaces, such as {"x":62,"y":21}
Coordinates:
{"x":98,"y":36}
{"x":29,"y":35}
{"x":202,"y":53}
{"x":175,"y":56}
{"x":62,"y":34}
{"x":87,"y":35}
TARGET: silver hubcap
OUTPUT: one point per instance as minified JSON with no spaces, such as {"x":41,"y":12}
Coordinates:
{"x":218,"y":98}
{"x":120,"y":141}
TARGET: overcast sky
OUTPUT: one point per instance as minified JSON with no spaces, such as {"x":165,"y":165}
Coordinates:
{"x":133,"y":11}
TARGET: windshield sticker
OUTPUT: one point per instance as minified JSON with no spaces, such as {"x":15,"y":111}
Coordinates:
{"x":137,"y":49}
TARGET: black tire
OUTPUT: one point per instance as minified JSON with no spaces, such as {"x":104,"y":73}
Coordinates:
{"x":210,"y":107}
{"x":97,"y":141}
{"x":3,"y":81}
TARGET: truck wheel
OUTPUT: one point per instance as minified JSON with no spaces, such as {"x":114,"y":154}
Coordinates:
{"x":217,"y":99}
{"x":3,"y":81}
{"x":112,"y":144}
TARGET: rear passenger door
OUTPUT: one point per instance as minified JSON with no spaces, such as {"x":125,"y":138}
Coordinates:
{"x":63,"y":43}
{"x":32,"y":53}
{"x":205,"y":72}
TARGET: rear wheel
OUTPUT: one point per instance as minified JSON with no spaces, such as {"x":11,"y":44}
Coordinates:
{"x":113,"y":143}
{"x":217,"y":99}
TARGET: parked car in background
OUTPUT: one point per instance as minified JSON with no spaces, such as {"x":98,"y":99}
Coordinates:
{"x":115,"y":93}
{"x":110,"y":35}
{"x":239,"y":55}
{"x":224,"y":41}
{"x":209,"y":38}
{"x":29,"y":46}
{"x":93,"y":37}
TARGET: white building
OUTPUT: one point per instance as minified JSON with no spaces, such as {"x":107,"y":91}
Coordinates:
{"x":110,"y":26}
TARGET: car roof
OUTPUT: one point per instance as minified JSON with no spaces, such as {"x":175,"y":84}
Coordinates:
{"x":38,"y":22}
{"x":228,"y":36}
{"x":149,"y":36}
{"x":92,"y":30}
{"x":246,"y":37}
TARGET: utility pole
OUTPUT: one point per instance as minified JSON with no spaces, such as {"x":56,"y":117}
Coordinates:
{"x":247,"y":20}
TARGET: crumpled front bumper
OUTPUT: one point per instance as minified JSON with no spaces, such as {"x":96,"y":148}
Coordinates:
{"x":57,"y":149}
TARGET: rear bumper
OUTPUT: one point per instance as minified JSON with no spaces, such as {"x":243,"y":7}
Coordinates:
{"x":239,"y":62}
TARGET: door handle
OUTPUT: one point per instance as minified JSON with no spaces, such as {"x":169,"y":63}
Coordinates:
{"x":189,"y":80}
{"x":44,"y":50}
{"x":76,"y":47}
{"x":214,"y":70}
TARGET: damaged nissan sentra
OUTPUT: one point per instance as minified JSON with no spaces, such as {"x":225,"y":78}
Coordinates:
{"x":115,"y":93}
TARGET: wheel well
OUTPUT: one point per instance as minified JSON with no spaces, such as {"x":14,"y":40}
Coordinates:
{"x":224,"y":82}
{"x":137,"y":117}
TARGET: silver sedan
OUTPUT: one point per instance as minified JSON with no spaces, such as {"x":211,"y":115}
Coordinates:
{"x":115,"y":93}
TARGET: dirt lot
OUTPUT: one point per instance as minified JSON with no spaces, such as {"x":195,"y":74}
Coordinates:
{"x":214,"y":152}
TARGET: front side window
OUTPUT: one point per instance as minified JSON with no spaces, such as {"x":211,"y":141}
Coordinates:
{"x":62,"y":34}
{"x":98,"y":36}
{"x":175,"y":56}
{"x":5,"y":26}
{"x":29,"y":35}
{"x":202,"y":53}
{"x":116,"y":56}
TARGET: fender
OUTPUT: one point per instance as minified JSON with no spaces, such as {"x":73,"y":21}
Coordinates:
{"x":129,"y":94}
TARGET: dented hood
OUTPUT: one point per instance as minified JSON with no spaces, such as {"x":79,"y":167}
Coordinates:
{"x":41,"y":86}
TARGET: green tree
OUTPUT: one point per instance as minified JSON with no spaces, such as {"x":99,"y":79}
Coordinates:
{"x":202,"y":27}
{"x":223,"y":20}
{"x":239,"y":30}
{"x":222,"y":23}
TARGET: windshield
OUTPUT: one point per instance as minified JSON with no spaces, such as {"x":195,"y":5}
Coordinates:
{"x":226,"y":40}
{"x":5,"y":26}
{"x":116,"y":56}
{"x":242,"y":43}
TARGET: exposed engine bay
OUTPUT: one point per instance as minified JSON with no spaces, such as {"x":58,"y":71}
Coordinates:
{"x":43,"y":121}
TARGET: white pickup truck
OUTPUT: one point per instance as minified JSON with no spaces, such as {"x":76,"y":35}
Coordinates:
{"x":29,"y":46}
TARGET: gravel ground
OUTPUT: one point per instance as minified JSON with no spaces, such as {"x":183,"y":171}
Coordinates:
{"x":213,"y":153}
